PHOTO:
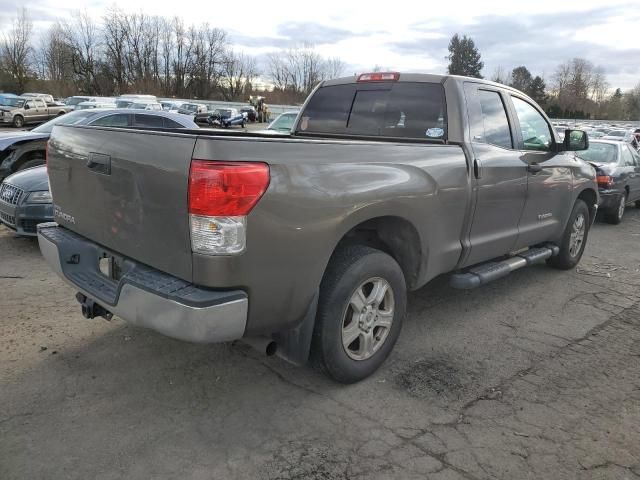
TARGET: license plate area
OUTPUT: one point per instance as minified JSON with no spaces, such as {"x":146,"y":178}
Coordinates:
{"x":110,"y":265}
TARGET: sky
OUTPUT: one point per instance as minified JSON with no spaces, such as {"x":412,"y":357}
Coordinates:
{"x":402,"y":35}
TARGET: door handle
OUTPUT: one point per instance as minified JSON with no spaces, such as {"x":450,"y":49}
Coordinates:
{"x":477,"y":168}
{"x":534,"y":167}
{"x":99,"y":163}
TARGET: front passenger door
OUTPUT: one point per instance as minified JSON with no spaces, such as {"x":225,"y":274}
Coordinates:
{"x":549,"y":177}
{"x":499,"y":176}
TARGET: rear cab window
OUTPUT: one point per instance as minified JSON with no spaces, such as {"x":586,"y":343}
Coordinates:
{"x":412,"y":110}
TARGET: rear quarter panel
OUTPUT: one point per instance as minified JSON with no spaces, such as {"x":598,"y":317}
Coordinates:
{"x":320,"y":190}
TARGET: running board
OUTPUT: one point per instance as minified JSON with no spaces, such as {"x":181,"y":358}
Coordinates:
{"x":487,"y":272}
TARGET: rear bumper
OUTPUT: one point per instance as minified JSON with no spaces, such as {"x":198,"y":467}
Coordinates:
{"x":609,"y":199}
{"x":143,"y":296}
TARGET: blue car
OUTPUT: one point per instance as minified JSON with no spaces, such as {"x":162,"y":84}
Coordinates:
{"x":227,"y":117}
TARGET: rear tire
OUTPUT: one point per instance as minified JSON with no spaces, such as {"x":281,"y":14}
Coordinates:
{"x":614,"y":216}
{"x":361,"y":307}
{"x":574,"y":238}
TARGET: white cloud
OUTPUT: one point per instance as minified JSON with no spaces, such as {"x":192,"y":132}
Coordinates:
{"x":376,"y":27}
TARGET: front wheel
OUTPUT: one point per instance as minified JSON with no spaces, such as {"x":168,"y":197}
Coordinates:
{"x":18,"y":121}
{"x":361,"y":307}
{"x":574,"y":238}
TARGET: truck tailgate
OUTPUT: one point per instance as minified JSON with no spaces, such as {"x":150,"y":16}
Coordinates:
{"x":125,"y":190}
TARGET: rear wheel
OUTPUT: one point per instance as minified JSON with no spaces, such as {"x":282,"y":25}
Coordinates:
{"x":361,"y":308}
{"x":614,"y":216}
{"x":574,"y":238}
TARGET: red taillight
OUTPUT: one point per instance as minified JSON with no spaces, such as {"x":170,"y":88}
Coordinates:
{"x":604,"y":181}
{"x":379,"y":77}
{"x":226,"y":188}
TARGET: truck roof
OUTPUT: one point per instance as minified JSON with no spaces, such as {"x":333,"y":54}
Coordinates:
{"x":420,"y":77}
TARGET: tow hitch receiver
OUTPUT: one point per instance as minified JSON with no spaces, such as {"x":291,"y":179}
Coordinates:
{"x":91,"y":309}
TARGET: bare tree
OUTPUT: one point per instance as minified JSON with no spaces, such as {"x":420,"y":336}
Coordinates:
{"x":17,"y":49}
{"x":55,"y":60}
{"x":334,"y":68}
{"x":82,"y":36}
{"x":300,"y":69}
{"x":238,"y":72}
{"x":499,"y":75}
{"x":115,"y":37}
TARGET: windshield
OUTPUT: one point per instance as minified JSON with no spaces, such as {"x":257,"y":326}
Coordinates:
{"x":71,"y":118}
{"x":14,"y":102}
{"x":123,"y":103}
{"x":283,"y":122}
{"x":600,"y":153}
{"x":77,"y":100}
{"x":189,"y":107}
{"x":140,"y":106}
{"x":223,"y":112}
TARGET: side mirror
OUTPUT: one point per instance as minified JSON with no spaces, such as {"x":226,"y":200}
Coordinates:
{"x":575,"y":140}
{"x":26,"y":106}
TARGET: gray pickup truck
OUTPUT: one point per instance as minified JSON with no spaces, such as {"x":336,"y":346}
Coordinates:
{"x":307,"y":243}
{"x":21,"y":111}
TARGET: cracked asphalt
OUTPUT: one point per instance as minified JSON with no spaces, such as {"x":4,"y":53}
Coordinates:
{"x":536,"y":376}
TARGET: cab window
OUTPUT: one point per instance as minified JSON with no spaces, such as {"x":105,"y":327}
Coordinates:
{"x":494,"y":119}
{"x":404,"y":109}
{"x":536,"y":132}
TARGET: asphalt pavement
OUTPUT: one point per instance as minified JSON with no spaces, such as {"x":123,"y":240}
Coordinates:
{"x":534,"y":376}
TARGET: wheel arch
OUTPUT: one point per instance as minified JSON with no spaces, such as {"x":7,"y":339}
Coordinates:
{"x":392,"y":234}
{"x":590,"y":197}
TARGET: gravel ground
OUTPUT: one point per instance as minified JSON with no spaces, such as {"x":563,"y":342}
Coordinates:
{"x":534,"y":376}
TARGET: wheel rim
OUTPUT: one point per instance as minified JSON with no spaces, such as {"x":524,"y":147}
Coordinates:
{"x":368,"y":317}
{"x":18,"y":122}
{"x":577,"y":235}
{"x":623,"y":202}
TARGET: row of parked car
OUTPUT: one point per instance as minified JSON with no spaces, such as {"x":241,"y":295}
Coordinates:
{"x":617,"y":164}
{"x":32,"y":108}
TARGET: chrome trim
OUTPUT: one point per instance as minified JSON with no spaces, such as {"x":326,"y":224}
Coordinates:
{"x":218,"y":323}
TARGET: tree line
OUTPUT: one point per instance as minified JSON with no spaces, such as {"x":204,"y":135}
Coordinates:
{"x":139,"y":53}
{"x":576,"y":89}
{"x":134,"y":52}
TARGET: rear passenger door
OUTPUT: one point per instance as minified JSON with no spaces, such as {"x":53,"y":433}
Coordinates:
{"x":499,"y":176}
{"x":549,"y":179}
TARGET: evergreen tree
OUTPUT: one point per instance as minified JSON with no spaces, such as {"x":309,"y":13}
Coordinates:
{"x":521,"y":79}
{"x":537,"y":90}
{"x":464,"y":57}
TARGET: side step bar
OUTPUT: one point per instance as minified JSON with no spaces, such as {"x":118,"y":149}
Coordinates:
{"x":487,"y":272}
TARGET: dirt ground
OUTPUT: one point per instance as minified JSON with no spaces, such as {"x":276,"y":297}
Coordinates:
{"x":536,"y":376}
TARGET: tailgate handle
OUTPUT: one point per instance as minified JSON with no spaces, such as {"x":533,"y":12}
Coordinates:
{"x":99,"y":163}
